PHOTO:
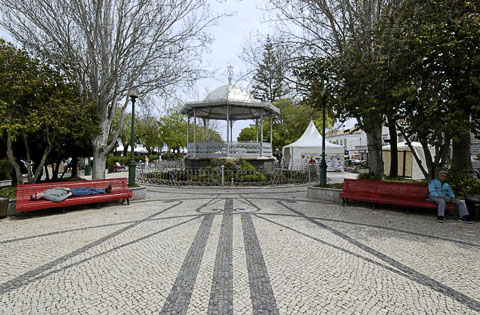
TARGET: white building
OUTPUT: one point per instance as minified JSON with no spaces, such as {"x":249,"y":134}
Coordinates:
{"x":354,"y":141}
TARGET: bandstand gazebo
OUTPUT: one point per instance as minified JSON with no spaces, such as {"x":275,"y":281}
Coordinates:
{"x":229,"y":103}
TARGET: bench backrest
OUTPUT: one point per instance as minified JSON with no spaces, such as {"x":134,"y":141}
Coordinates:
{"x":25,"y":191}
{"x":385,"y":189}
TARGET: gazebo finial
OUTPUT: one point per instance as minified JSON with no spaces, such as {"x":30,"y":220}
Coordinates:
{"x":230,"y":74}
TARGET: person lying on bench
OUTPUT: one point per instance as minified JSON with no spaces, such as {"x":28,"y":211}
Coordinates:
{"x":58,"y":194}
{"x":441,"y":193}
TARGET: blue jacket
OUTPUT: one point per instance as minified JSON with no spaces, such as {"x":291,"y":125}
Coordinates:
{"x":437,"y":189}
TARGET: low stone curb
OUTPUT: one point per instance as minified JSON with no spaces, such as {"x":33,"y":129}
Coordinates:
{"x":322,"y":193}
{"x":139,"y":193}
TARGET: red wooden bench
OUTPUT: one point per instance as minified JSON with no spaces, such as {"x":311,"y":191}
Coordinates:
{"x":119,"y":191}
{"x":392,"y":193}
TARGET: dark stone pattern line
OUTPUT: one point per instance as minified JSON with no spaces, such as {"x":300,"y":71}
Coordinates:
{"x":94,"y":227}
{"x":29,"y":276}
{"x":407,"y":271}
{"x":221,"y":293}
{"x":387,"y":228}
{"x":263,"y":300}
{"x":179,"y":298}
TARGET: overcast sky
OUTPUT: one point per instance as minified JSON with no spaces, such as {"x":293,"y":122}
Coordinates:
{"x":230,"y":35}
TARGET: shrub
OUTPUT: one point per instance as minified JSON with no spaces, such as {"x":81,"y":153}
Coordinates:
{"x":368,"y":176}
{"x":463,"y":186}
{"x":9,"y":192}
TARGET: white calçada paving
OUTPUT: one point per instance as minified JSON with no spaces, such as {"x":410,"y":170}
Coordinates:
{"x":269,"y":250}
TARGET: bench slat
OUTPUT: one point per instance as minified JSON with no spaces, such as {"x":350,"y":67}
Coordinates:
{"x":394,"y":193}
{"x":119,"y":191}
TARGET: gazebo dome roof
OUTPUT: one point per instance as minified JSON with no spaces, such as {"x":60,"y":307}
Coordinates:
{"x":240,"y":104}
{"x":232,"y":93}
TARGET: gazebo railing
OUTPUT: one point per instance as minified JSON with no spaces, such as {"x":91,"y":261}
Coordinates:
{"x":219,"y":176}
{"x":233,"y":149}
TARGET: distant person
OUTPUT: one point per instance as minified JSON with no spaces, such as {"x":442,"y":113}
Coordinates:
{"x":146,"y":161}
{"x":58,"y":194}
{"x":441,"y":193}
{"x":120,"y":167}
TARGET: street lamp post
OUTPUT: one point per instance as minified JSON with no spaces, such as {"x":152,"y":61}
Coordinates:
{"x":133,"y":93}
{"x":323,"y":163}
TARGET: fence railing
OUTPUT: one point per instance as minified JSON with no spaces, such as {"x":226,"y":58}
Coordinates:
{"x":232,"y":149}
{"x":222,"y":176}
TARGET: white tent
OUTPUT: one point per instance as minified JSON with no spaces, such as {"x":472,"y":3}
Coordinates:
{"x":407,"y":164}
{"x":309,"y":147}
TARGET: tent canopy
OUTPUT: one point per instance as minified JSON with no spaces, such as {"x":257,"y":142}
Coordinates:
{"x":309,"y":147}
{"x":312,"y":138}
{"x":407,"y":164}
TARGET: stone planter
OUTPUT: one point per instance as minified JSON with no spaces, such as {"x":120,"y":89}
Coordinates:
{"x":139,"y":192}
{"x":12,"y":207}
{"x":326,"y":194}
{"x":363,"y":170}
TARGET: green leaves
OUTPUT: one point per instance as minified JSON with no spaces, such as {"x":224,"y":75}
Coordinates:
{"x":41,"y":108}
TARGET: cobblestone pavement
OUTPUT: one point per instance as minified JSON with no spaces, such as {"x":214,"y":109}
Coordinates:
{"x":237,"y":251}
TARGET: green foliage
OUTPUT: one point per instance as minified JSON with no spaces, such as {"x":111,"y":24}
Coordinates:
{"x":4,"y":169}
{"x":293,"y":120}
{"x":42,"y":109}
{"x":368,"y":176}
{"x":436,"y":66}
{"x":463,"y":186}
{"x":333,"y":186}
{"x":9,"y":192}
{"x":268,"y":81}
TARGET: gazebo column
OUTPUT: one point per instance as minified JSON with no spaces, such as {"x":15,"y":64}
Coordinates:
{"x":204,"y":130}
{"x":188,"y":133}
{"x":271,"y":133}
{"x":256,"y":129}
{"x":194,"y":133}
{"x":228,"y":130}
{"x":231,"y":131}
{"x":261,"y":133}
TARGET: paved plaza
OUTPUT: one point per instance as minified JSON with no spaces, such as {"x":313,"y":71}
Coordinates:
{"x":270,"y":250}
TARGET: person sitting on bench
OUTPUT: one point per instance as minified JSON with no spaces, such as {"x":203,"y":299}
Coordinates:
{"x":58,"y":194}
{"x":118,"y":166}
{"x":441,"y":193}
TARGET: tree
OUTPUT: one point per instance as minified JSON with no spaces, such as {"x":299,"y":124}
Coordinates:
{"x":124,"y":134}
{"x":289,"y":126}
{"x":148,"y":132}
{"x":41,"y":110}
{"x":436,"y":45}
{"x":339,"y":34}
{"x":173,"y":130}
{"x":111,"y":46}
{"x":268,"y":81}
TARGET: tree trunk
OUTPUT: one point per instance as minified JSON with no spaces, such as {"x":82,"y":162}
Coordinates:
{"x":393,"y":150}
{"x":13,"y":162}
{"x":13,"y":176}
{"x":55,"y":170}
{"x":99,"y":163}
{"x":47,"y":174}
{"x":100,"y":150}
{"x":75,"y":166}
{"x":461,"y":156}
{"x":374,"y":144}
{"x":125,"y":149}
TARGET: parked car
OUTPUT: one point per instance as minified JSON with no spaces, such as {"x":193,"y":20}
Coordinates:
{"x":358,"y":162}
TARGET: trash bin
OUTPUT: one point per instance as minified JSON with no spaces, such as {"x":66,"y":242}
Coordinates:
{"x":4,"y":207}
{"x":473,"y":206}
